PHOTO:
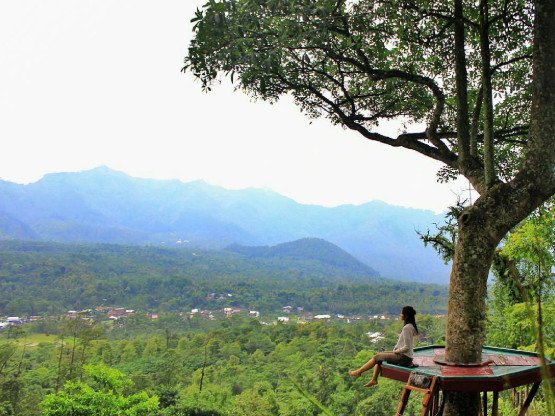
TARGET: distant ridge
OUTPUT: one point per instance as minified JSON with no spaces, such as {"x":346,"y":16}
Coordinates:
{"x":105,"y":206}
{"x":39,"y":277}
{"x":308,"y":249}
{"x":11,"y":228}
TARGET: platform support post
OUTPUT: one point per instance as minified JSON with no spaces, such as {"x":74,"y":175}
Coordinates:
{"x":485,"y":403}
{"x":428,"y":400}
{"x":529,"y":399}
{"x":403,"y":402}
{"x":435,"y":403}
{"x":495,"y":404}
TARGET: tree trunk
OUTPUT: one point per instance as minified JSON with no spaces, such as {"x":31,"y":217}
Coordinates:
{"x":72,"y":355}
{"x":467,"y":308}
{"x":59,"y":377}
{"x":499,"y":209}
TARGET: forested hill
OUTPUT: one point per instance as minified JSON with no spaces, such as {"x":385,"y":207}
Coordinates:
{"x":307,"y":249}
{"x":38,"y":277}
{"x":104,"y":206}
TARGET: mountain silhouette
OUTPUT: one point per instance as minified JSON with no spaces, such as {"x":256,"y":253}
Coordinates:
{"x":106,"y":206}
{"x":307,"y":249}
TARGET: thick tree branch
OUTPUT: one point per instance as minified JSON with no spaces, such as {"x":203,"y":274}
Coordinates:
{"x":489,"y":163}
{"x":377,"y":75}
{"x":474,"y":127}
{"x":437,"y":13}
{"x":380,"y":75}
{"x":461,"y":86}
{"x":510,"y":61}
{"x":401,"y":141}
{"x":441,"y":152}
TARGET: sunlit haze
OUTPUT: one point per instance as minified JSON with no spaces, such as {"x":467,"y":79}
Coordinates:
{"x":98,"y":82}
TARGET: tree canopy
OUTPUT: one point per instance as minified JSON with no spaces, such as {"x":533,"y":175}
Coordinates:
{"x":363,"y":62}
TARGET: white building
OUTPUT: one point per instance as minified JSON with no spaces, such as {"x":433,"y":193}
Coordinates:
{"x":375,"y":337}
{"x":231,"y":311}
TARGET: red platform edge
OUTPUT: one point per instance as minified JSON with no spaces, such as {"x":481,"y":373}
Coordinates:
{"x":471,"y":381}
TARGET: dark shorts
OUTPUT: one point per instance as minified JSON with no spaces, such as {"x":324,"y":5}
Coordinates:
{"x":393,"y":358}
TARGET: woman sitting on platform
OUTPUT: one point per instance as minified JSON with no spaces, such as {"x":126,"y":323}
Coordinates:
{"x":402,"y":353}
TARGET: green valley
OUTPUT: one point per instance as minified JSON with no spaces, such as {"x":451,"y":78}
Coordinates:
{"x":69,"y":277}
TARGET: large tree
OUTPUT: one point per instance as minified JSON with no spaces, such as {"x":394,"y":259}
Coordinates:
{"x":479,"y":75}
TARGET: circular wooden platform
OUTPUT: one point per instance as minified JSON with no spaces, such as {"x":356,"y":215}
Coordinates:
{"x":500,"y":369}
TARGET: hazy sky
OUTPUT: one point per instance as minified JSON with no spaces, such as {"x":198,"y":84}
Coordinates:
{"x":97,"y":82}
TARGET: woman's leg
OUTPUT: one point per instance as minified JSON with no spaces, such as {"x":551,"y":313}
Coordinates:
{"x":374,"y":380}
{"x":365,"y":367}
{"x":377,"y":359}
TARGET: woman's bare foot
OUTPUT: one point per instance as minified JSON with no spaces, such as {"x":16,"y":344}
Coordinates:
{"x":371,"y":383}
{"x":354,"y":373}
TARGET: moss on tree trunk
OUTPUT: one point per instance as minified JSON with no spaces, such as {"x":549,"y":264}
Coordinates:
{"x":465,"y":333}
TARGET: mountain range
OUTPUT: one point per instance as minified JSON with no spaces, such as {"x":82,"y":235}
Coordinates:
{"x":105,"y":206}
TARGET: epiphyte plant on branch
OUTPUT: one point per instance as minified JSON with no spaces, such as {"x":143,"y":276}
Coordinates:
{"x":479,"y":75}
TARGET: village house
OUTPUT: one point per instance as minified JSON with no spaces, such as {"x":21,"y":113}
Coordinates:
{"x":207,"y":315}
{"x":229,"y":312}
{"x":117,"y":313}
{"x":353,"y":318}
{"x":307,"y":317}
{"x":375,"y":336}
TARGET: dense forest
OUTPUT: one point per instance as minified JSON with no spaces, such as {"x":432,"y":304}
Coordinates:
{"x":191,"y":367}
{"x":183,"y":364}
{"x":162,"y":279}
{"x":177,"y":367}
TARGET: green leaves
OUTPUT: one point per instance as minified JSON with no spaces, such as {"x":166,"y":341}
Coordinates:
{"x":534,"y":241}
{"x":362,"y":62}
{"x":102,"y":396}
{"x":300,"y":47}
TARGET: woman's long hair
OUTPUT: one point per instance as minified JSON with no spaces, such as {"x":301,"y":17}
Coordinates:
{"x":409,"y":313}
